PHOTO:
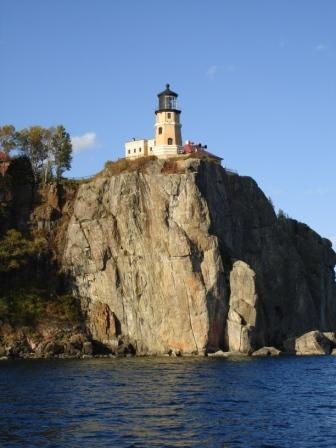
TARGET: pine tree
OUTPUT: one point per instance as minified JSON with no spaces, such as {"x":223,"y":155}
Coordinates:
{"x":61,"y":148}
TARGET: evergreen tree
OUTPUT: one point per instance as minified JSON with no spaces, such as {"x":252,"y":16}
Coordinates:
{"x":61,"y":148}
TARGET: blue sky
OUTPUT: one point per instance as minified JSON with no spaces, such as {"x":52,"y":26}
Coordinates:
{"x":256,"y":82}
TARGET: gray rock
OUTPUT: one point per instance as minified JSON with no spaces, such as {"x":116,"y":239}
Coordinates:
{"x":331,"y":335}
{"x":218,"y":354}
{"x":312,"y":343}
{"x":267,"y":351}
{"x":76,"y":341}
{"x":241,"y":320}
{"x":174,"y":353}
{"x":18,"y":349}
{"x":230,"y":354}
{"x":87,"y":348}
{"x":53,"y":348}
{"x":194,"y":260}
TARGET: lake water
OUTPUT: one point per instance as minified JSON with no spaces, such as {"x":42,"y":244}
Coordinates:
{"x":169,"y":402}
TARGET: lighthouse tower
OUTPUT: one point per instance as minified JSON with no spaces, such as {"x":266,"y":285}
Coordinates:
{"x":168,"y":140}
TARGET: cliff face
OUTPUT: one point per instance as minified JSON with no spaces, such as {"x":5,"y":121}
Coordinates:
{"x":140,"y":244}
{"x":292,"y":267}
{"x":187,"y":257}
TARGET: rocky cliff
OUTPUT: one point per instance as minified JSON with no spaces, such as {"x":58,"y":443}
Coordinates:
{"x":183,"y":256}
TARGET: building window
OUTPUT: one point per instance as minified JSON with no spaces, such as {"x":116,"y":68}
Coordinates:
{"x":151,"y":149}
{"x":129,"y":151}
{"x":169,"y":115}
{"x":170,"y":141}
{"x":134,"y":150}
{"x":170,"y":102}
{"x":160,"y":130}
{"x":139,"y":149}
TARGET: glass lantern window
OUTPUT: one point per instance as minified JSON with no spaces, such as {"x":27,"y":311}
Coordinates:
{"x":170,"y":102}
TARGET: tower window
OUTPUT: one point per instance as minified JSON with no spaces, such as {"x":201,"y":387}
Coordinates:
{"x":134,"y":150}
{"x":129,"y":151}
{"x":168,"y":115}
{"x":170,"y":141}
{"x":170,"y":102}
{"x":151,"y":149}
{"x":139,"y":149}
{"x":160,"y":130}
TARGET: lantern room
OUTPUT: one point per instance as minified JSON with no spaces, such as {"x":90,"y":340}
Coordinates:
{"x":167,"y":100}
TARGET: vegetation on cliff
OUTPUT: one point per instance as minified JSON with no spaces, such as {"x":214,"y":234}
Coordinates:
{"x":126,"y":166}
{"x":32,"y":289}
{"x":16,"y":251}
{"x":173,"y":165}
{"x":30,"y":305}
{"x":49,"y":150}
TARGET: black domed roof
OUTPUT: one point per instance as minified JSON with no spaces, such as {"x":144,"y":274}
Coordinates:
{"x":167,"y":92}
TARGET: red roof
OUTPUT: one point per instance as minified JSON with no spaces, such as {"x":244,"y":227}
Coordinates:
{"x":191,"y":147}
{"x":188,"y":148}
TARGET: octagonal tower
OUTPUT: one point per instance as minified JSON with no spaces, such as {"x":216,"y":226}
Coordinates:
{"x":168,"y":139}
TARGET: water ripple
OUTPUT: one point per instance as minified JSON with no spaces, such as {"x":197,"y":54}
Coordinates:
{"x":165,"y":402}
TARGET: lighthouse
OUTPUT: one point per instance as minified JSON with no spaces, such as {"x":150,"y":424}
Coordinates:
{"x":168,"y":140}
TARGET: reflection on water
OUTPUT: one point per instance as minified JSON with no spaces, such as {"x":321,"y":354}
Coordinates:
{"x":168,"y":402}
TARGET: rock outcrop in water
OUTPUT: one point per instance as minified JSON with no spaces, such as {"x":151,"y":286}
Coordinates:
{"x":186,"y":257}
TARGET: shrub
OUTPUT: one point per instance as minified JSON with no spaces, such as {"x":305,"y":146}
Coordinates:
{"x":21,"y":307}
{"x":127,"y":165}
{"x":282,"y":214}
{"x":15,"y":250}
{"x":270,"y":202}
{"x":30,"y":305}
{"x":64,"y":307}
{"x":172,"y":167}
{"x":73,"y":183}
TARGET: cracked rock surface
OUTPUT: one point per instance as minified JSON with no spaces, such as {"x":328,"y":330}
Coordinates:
{"x":194,"y":261}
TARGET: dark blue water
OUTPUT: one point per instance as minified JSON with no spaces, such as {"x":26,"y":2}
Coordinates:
{"x":165,"y":402}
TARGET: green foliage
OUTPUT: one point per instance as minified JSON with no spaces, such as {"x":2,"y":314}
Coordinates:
{"x":29,"y":305}
{"x":7,"y":138}
{"x":20,"y":171}
{"x":15,"y":250}
{"x":34,"y":144}
{"x":49,"y":150}
{"x":62,"y":150}
{"x":64,"y":307}
{"x":21,"y":307}
{"x":282,"y":214}
{"x":74,"y":183}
